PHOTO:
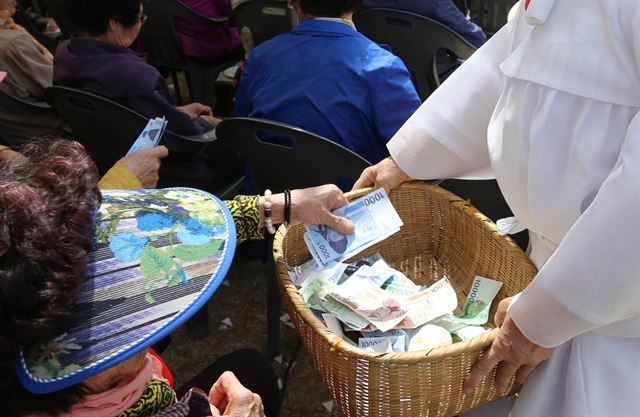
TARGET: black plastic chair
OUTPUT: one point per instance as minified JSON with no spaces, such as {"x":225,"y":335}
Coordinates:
{"x":25,"y":108}
{"x":264,"y":18}
{"x":18,"y":105}
{"x":164,"y":50}
{"x":108,"y":129}
{"x":415,"y":39}
{"x":306,"y":160}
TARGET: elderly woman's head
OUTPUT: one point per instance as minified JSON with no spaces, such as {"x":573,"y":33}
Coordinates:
{"x":115,"y":21}
{"x":326,"y":8}
{"x":47,"y":204}
{"x":8,"y":7}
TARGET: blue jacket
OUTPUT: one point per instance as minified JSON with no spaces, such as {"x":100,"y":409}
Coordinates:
{"x":325,"y":77}
{"x":443,"y":11}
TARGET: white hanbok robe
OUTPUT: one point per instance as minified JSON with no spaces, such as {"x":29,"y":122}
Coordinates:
{"x":550,"y":106}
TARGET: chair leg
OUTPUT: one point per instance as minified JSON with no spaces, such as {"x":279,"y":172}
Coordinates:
{"x":176,"y":87}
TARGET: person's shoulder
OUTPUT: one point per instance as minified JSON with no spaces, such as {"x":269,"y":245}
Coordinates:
{"x":17,"y":42}
{"x":376,"y":57}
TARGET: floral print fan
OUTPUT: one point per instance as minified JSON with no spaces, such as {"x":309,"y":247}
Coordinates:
{"x":159,"y":255}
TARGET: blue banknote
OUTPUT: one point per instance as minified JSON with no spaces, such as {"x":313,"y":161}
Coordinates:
{"x":150,"y":136}
{"x":375,"y":219}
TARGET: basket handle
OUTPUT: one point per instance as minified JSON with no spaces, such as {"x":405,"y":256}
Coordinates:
{"x":355,"y":194}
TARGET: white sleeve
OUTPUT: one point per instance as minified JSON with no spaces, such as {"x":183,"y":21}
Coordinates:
{"x":447,"y":136}
{"x":593,"y":278}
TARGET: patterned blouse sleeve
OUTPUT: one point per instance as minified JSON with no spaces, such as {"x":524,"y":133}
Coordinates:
{"x":244,"y":210}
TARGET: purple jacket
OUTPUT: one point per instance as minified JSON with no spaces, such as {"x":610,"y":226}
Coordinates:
{"x":208,"y":42}
{"x":119,"y":74}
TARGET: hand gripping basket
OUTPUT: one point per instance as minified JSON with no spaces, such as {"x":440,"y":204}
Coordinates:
{"x":442,"y":234}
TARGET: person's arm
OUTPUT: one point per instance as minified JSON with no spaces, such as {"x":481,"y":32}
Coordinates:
{"x":448,"y":14}
{"x":308,"y":206}
{"x":592,"y":278}
{"x":7,"y":155}
{"x":28,"y":66}
{"x":447,"y":136}
{"x":243,"y":103}
{"x":135,"y":171}
{"x":152,"y":99}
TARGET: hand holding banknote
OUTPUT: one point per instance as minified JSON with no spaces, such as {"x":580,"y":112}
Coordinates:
{"x":374,"y":218}
{"x":315,"y":205}
{"x":145,"y":164}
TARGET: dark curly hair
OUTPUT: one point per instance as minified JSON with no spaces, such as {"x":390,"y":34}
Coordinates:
{"x":47,"y":206}
{"x":330,"y":8}
{"x":92,"y":17}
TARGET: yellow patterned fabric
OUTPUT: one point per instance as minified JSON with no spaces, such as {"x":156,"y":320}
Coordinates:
{"x":246,"y":216}
{"x":155,"y":398}
{"x":120,"y":178}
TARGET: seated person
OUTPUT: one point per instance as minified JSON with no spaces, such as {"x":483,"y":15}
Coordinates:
{"x":30,"y":70}
{"x":327,"y":78}
{"x":445,"y":12}
{"x":98,"y":60}
{"x":213,"y":42}
{"x":45,"y":258}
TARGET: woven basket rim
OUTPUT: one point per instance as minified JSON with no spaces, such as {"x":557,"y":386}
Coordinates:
{"x":435,"y":354}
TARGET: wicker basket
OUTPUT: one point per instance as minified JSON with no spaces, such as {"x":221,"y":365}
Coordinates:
{"x":442,"y":234}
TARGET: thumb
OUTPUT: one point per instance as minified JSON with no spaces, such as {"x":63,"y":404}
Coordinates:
{"x":340,"y":224}
{"x":160,"y":152}
{"x":367,"y":179}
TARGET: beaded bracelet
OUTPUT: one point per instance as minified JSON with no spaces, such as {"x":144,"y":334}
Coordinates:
{"x":267,"y":212}
{"x":287,"y":207}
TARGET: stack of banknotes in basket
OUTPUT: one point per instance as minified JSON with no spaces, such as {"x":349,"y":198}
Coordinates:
{"x":375,"y":306}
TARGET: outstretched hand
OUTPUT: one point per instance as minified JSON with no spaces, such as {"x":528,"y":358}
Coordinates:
{"x":145,"y":164}
{"x":314,"y":206}
{"x":511,"y":351}
{"x":229,"y":398}
{"x":385,"y":173}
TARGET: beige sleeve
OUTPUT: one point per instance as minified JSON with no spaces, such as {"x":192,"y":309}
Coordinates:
{"x":28,"y":66}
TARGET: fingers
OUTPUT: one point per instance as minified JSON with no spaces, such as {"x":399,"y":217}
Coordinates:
{"x":221,"y":389}
{"x":479,"y":371}
{"x":340,"y":224}
{"x":367,"y":179}
{"x":505,"y":371}
{"x":523,"y":373}
{"x":501,"y":312}
{"x":160,"y":152}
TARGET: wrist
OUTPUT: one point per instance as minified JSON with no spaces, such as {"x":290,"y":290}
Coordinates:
{"x":277,"y":209}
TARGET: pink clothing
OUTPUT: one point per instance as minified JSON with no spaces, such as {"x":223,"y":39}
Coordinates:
{"x":118,"y":399}
{"x":208,"y":42}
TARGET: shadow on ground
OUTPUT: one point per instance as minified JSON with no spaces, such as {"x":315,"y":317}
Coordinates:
{"x":243,"y":301}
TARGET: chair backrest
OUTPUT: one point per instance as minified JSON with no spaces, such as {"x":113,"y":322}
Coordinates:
{"x":108,"y":129}
{"x":264,"y":18}
{"x":15,"y":104}
{"x":159,"y":35}
{"x":415,"y":39}
{"x":306,"y":160}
